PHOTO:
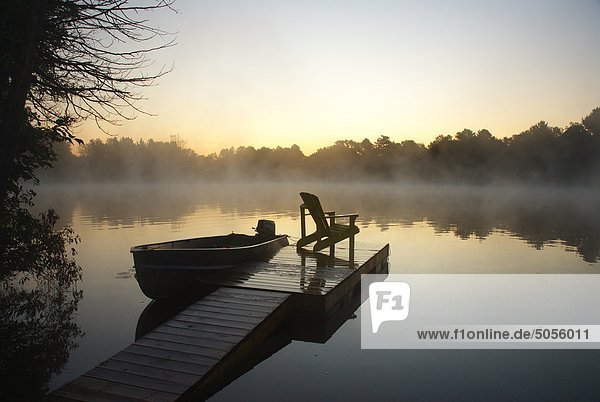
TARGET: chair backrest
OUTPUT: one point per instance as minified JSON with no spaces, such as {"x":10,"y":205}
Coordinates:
{"x":312,"y":203}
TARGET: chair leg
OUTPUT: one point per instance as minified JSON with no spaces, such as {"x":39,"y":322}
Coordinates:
{"x":351,"y":257}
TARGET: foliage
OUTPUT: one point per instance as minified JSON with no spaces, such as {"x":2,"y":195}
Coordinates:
{"x":38,"y":302}
{"x":35,"y":152}
{"x":592,"y":121}
{"x":540,"y":154}
{"x":38,"y":277}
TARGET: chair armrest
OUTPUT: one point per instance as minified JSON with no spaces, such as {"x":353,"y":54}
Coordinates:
{"x":332,"y":218}
{"x":346,"y":215}
{"x":330,"y":214}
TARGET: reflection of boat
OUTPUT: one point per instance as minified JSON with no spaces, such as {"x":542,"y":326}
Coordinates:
{"x":163,"y":269}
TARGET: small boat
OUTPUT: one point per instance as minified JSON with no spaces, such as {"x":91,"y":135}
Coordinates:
{"x":164,"y":269}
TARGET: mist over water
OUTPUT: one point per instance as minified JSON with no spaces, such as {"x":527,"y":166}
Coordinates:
{"x":539,"y":216}
{"x":430,"y":229}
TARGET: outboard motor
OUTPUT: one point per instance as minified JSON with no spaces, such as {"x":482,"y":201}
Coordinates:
{"x":265,"y":228}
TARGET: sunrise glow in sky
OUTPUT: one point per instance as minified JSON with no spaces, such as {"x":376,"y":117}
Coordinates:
{"x":276,"y":73}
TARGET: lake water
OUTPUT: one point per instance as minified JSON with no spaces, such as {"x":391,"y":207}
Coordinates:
{"x":449,"y":229}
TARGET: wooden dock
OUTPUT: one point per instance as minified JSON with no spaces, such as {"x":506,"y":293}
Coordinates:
{"x":194,"y":350}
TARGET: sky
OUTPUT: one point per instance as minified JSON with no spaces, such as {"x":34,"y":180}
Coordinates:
{"x":277,"y":72}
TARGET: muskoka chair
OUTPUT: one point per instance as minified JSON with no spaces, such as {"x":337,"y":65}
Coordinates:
{"x":327,"y":233}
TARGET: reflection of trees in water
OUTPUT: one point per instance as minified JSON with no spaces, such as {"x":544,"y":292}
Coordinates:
{"x":38,"y":302}
{"x":123,"y":205}
{"x":537,"y":216}
{"x":126,"y":205}
{"x":575,"y":228}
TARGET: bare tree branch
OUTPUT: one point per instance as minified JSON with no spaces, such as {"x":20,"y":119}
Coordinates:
{"x":93,"y":58}
{"x":69,"y":60}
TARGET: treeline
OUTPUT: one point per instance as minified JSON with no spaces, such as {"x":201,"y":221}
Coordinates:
{"x":541,"y":154}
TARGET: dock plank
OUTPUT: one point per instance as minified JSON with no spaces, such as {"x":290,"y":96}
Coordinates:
{"x":134,"y":380}
{"x":215,"y":322}
{"x":243,"y":296}
{"x":212,"y":328}
{"x":159,"y":362}
{"x":98,"y":390}
{"x":203,"y":336}
{"x":252,"y":284}
{"x":189,"y":340}
{"x":182,"y":347}
{"x":83,"y":394}
{"x":150,"y":372}
{"x":248,"y":319}
{"x":248,"y":302}
{"x":229,"y":312}
{"x":239,"y":306}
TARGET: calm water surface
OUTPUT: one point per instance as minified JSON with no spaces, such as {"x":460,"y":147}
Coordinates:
{"x":430,"y":230}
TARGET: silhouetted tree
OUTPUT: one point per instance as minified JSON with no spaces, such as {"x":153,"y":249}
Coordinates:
{"x":592,"y":121}
{"x":541,"y":154}
{"x":534,"y":152}
{"x":579,"y":155}
{"x":58,"y":58}
{"x":341,"y":160}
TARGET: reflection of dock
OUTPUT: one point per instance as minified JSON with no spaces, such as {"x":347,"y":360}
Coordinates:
{"x":225,"y":333}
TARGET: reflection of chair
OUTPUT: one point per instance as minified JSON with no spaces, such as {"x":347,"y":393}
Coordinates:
{"x":327,"y":233}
